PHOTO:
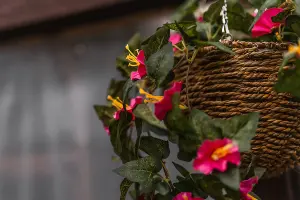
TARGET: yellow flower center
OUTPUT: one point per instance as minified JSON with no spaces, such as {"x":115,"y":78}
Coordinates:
{"x":154,"y":99}
{"x":185,"y":197}
{"x":222,"y":151}
{"x":295,"y":49}
{"x":251,"y":197}
{"x":150,"y":98}
{"x":278,"y":36}
{"x":117,"y":103}
{"x":133,"y":62}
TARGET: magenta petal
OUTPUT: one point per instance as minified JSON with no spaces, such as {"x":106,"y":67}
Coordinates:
{"x":220,"y":165}
{"x":106,"y":128}
{"x":135,"y":75}
{"x":234,"y":158}
{"x":136,"y":101}
{"x":161,"y":108}
{"x":200,"y":19}
{"x":142,"y":70}
{"x":117,"y":115}
{"x":141,"y":57}
{"x":203,"y":166}
{"x":175,"y":38}
{"x":265,"y":24}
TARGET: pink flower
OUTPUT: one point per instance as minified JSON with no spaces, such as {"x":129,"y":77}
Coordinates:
{"x":119,"y":105}
{"x":246,"y":186}
{"x":165,"y":104}
{"x":141,"y":71}
{"x":137,"y":61}
{"x":174,"y":39}
{"x":186,"y":196}
{"x":215,"y":154}
{"x":106,"y":128}
{"x":200,"y":19}
{"x":264,"y":24}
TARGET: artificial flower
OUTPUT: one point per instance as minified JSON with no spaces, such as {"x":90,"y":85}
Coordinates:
{"x":136,"y":61}
{"x":215,"y":154}
{"x":118,"y":104}
{"x":106,"y":128}
{"x":200,"y":19}
{"x":163,"y":104}
{"x":186,"y":196}
{"x":246,"y":186}
{"x":264,"y":24}
{"x":174,"y":39}
{"x":295,"y":49}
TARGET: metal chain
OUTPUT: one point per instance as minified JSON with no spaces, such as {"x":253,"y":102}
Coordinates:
{"x":225,"y":30}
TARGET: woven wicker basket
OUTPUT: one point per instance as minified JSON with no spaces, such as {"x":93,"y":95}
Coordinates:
{"x":224,"y":85}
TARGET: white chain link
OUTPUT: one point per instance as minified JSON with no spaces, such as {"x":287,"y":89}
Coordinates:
{"x":225,"y":29}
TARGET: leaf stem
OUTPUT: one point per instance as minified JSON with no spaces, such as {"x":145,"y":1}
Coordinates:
{"x":167,"y":174}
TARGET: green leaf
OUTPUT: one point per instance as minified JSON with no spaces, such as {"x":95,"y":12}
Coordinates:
{"x":187,"y":8}
{"x":126,"y":89}
{"x":156,"y":41}
{"x":144,"y":112}
{"x":181,"y":169}
{"x":124,"y":187}
{"x":203,"y":125}
{"x":185,"y":156}
{"x":230,"y":178}
{"x":286,"y":58}
{"x":139,"y":130}
{"x":121,"y":142}
{"x":135,"y":42}
{"x":155,"y":147}
{"x":256,"y":3}
{"x":219,"y":45}
{"x":240,"y":128}
{"x":160,"y":63}
{"x":293,"y":22}
{"x":188,"y":27}
{"x":289,"y":81}
{"x":266,"y":4}
{"x":140,"y":171}
{"x":162,"y":188}
{"x":115,"y":88}
{"x":162,"y":197}
{"x":213,"y":13}
{"x":259,"y":171}
{"x":246,"y":125}
{"x":238,"y":18}
{"x":105,"y":113}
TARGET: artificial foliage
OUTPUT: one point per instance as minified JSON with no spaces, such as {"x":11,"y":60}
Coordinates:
{"x":141,"y":124}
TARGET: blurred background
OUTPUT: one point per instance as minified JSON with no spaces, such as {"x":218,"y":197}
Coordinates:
{"x":56,"y":60}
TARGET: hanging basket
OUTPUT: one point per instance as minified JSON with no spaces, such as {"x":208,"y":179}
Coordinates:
{"x":224,"y":85}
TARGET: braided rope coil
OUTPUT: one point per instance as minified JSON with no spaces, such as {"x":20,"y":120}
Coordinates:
{"x":224,"y":85}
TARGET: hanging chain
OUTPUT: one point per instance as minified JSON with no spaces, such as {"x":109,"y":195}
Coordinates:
{"x":225,"y":29}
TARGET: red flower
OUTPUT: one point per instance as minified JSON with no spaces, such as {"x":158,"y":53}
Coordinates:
{"x":163,"y":104}
{"x":246,"y":186}
{"x":118,"y":104}
{"x":137,"y":61}
{"x":264,"y":24}
{"x":174,"y":39}
{"x":106,"y":128}
{"x":200,"y":19}
{"x":186,"y":196}
{"x":215,"y":155}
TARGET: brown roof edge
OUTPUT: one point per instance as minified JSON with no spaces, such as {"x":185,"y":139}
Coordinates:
{"x":58,"y":22}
